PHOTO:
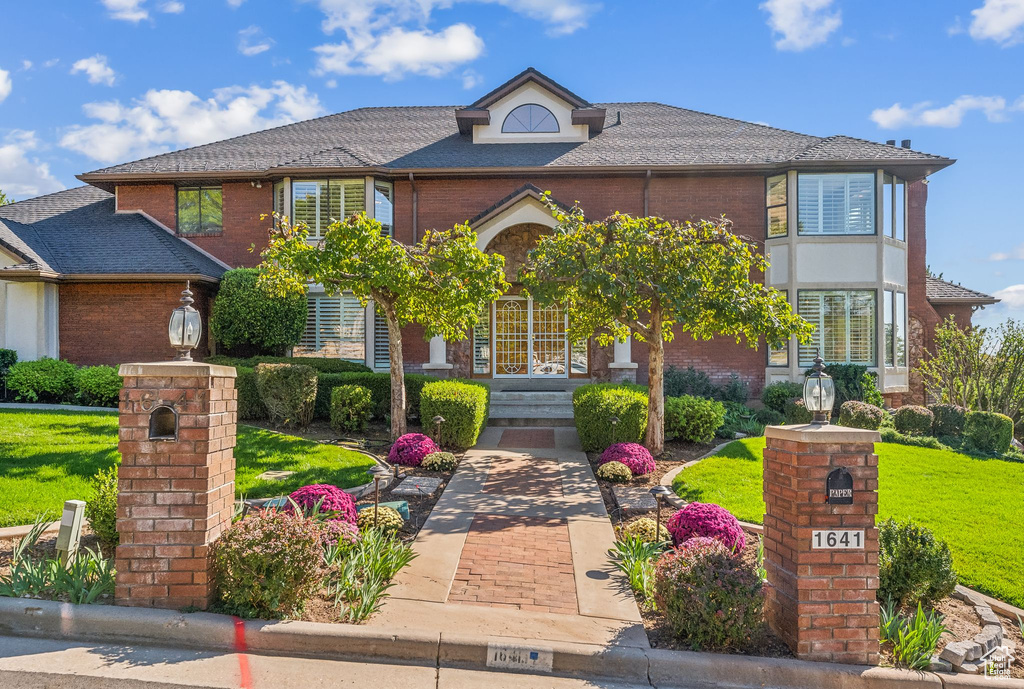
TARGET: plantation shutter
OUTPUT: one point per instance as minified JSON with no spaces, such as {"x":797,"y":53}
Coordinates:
{"x":335,"y":327}
{"x":318,"y":203}
{"x":844,"y":326}
{"x":836,"y":203}
{"x":381,"y":343}
{"x":482,"y":343}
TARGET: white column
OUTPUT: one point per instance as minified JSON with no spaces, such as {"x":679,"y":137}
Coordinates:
{"x":438,"y":355}
{"x":623,"y":354}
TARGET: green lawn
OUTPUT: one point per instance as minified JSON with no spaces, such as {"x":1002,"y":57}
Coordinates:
{"x":975,"y":505}
{"x":48,"y":457}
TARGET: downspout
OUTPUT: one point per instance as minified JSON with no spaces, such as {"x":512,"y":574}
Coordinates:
{"x":647,"y":194}
{"x":415,"y":210}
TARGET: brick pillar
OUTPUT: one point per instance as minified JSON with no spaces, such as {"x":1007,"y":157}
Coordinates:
{"x":821,"y":601}
{"x":176,"y":491}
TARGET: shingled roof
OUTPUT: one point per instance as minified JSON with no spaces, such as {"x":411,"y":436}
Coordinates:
{"x":77,"y":233}
{"x":945,"y":292}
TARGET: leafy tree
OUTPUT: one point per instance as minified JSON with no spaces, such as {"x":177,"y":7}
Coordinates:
{"x":247,"y":318}
{"x":656,"y":277}
{"x":4,"y":198}
{"x":441,"y":282}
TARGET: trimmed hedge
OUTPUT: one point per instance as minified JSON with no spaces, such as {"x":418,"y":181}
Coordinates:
{"x":351,"y":408}
{"x":250,"y":406}
{"x":379,"y":385}
{"x":288,"y":391}
{"x":462,"y":403}
{"x":693,"y":419}
{"x":98,"y":386}
{"x":45,"y":380}
{"x":796,"y":412}
{"x":913,"y":420}
{"x":854,"y":414}
{"x":319,"y":364}
{"x":244,"y":314}
{"x":949,"y":419}
{"x":594,"y":405}
{"x":775,"y":395}
{"x":988,"y":431}
{"x":8,"y":358}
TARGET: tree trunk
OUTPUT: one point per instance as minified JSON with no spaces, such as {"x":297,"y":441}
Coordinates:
{"x":655,"y":438}
{"x":397,"y":372}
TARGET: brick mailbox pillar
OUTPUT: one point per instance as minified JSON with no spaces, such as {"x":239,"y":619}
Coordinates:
{"x":176,"y":482}
{"x":821,"y":544}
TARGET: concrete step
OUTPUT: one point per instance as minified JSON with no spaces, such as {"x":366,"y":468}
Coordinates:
{"x":528,"y":422}
{"x":515,"y":397}
{"x":537,"y":410}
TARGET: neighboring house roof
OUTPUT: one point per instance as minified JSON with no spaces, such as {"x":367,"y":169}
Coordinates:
{"x":77,"y":233}
{"x":945,"y":292}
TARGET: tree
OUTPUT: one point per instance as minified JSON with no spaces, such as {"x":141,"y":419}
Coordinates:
{"x":246,"y":316}
{"x":441,"y":282}
{"x":654,"y":277}
{"x":5,"y":199}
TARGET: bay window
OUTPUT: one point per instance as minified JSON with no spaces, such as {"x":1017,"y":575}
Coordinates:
{"x":895,"y":313}
{"x":779,"y":357}
{"x":836,"y":203}
{"x":894,"y":208}
{"x":317,"y":203}
{"x":335,"y":328}
{"x":776,"y":202}
{"x":844,"y":326}
{"x":384,"y":206}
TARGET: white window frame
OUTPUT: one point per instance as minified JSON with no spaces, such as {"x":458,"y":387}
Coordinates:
{"x":806,"y":353}
{"x":819,"y":231}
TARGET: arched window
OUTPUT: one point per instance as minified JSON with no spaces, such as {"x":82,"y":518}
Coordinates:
{"x":530,"y":118}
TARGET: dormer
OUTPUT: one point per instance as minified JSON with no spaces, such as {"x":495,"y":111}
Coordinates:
{"x":530,"y":108}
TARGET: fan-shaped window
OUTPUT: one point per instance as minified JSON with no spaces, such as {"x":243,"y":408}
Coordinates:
{"x":530,"y":118}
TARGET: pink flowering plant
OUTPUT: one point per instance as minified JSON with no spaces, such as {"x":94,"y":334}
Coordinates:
{"x":325,"y":499}
{"x":706,"y":519}
{"x":634,"y":455}
{"x":410,"y":449}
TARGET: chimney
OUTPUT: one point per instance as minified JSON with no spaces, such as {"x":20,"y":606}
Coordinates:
{"x":905,"y":143}
{"x":890,"y":142}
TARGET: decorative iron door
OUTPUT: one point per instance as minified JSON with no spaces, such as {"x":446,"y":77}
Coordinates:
{"x":548,"y":342}
{"x":511,"y":337}
{"x":529,"y":341}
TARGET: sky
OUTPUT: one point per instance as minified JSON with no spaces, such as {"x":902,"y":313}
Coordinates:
{"x":87,"y":83}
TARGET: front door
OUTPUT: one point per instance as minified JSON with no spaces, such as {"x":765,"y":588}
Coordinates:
{"x":529,"y":341}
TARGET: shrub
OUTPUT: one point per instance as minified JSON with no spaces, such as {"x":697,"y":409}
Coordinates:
{"x":249,"y":404}
{"x":268,"y":564}
{"x":710,"y":599}
{"x":987,"y":431}
{"x":796,"y":412}
{"x":245,"y":315}
{"x":616,"y":472}
{"x":775,"y":395}
{"x":45,"y":380}
{"x":335,"y":532}
{"x":101,"y":511}
{"x":949,"y":419}
{"x":411,"y":449}
{"x":388,"y":519}
{"x":98,"y":386}
{"x":326,"y":499}
{"x":351,"y":408}
{"x":646,"y":530}
{"x":636,"y":457}
{"x":440,"y":461}
{"x":689,"y":382}
{"x":8,"y":358}
{"x":462,"y":404}
{"x":708,"y":520}
{"x":913,"y":420}
{"x":320,"y":364}
{"x":869,"y":390}
{"x":891,"y":435}
{"x":848,"y":380}
{"x":379,"y":385}
{"x":854,"y":414}
{"x":913,"y":566}
{"x":595,"y":404}
{"x":769,"y":417}
{"x":736,"y":390}
{"x":692,"y":419}
{"x":288,"y":392}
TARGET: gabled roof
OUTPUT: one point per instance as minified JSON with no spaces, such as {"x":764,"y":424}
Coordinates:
{"x":526,"y":76}
{"x":76,"y":233}
{"x":945,"y":292}
{"x":526,"y":191}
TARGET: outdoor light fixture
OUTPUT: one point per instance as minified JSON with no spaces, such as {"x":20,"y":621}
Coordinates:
{"x":378,"y":473}
{"x":186,"y":327}
{"x":660,"y":493}
{"x":438,"y":420}
{"x":614,"y":421}
{"x":819,"y":392}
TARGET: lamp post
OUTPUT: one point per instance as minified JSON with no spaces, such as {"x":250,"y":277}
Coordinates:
{"x":186,"y":327}
{"x":660,"y":493}
{"x":378,"y":473}
{"x":614,"y":421}
{"x":438,"y":420}
{"x":819,"y":393}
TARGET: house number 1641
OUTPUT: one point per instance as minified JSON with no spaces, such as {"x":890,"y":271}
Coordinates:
{"x":837,"y":540}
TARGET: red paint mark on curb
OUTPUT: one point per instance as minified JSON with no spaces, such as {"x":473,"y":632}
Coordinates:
{"x":245,"y":681}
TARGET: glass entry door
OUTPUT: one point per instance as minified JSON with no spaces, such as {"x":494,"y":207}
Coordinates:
{"x":529,"y":341}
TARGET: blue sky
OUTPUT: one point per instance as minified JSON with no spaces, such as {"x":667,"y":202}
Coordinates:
{"x":92,"y":82}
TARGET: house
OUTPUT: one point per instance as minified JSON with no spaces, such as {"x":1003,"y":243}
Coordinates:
{"x":92,"y":272}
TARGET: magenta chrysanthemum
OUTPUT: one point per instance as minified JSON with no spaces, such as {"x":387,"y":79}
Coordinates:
{"x":707,"y":520}
{"x":410,"y":449}
{"x":635,"y":456}
{"x":331,"y":499}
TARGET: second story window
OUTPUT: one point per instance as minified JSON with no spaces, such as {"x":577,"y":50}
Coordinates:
{"x":530,"y":118}
{"x":836,"y":203}
{"x":200,"y":210}
{"x":894,"y":208}
{"x":316,"y":203}
{"x":384,"y":206}
{"x":776,"y":199}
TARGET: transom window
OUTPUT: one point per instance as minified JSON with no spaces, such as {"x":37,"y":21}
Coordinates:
{"x":200,"y":210}
{"x":844,"y":326}
{"x":530,"y":118}
{"x":836,"y":203}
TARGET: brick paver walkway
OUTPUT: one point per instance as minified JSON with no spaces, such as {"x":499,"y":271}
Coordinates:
{"x":526,"y":476}
{"x":528,"y":438}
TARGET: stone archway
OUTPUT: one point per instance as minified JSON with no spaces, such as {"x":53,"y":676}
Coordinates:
{"x":514,"y":243}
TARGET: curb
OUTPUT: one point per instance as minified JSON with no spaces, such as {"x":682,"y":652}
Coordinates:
{"x":24,"y":529}
{"x":662,"y":668}
{"x":668,"y":478}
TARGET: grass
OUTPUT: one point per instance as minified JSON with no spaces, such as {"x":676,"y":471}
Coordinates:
{"x":974,"y":504}
{"x":47,"y":457}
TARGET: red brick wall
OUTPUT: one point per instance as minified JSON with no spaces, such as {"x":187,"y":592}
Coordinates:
{"x":157,"y":200}
{"x":116,"y":323}
{"x":739,"y":198}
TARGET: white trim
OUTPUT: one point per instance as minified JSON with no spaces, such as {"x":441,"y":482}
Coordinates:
{"x":527,"y":210}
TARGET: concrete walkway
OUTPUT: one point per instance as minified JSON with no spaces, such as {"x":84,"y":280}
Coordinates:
{"x":517,"y":547}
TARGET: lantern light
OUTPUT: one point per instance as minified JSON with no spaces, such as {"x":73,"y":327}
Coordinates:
{"x":819,"y":392}
{"x":186,"y":327}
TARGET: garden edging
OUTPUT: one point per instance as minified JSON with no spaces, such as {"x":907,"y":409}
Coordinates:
{"x":101,"y":623}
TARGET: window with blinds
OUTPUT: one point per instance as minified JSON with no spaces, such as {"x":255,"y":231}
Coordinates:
{"x":780,"y":356}
{"x":895,"y":312}
{"x":381,"y":347}
{"x":776,"y":202}
{"x":844,"y":326}
{"x":836,"y":203}
{"x":482,"y":343}
{"x":335,"y":328}
{"x":384,"y":206}
{"x":317,"y":203}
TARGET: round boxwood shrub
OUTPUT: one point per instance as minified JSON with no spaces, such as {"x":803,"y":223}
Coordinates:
{"x":247,"y":316}
{"x":775,"y":395}
{"x":411,"y":449}
{"x":44,"y":380}
{"x":388,"y":519}
{"x":462,"y":405}
{"x":331,"y":499}
{"x":854,"y":414}
{"x":796,"y":412}
{"x":268,"y":564}
{"x":351,"y":408}
{"x":440,"y":461}
{"x":707,"y":520}
{"x":913,"y":566}
{"x":985,"y":431}
{"x":616,"y":472}
{"x":710,"y":599}
{"x":693,"y":419}
{"x":288,"y":392}
{"x":949,"y":419}
{"x":596,"y":404}
{"x":98,"y":386}
{"x":913,"y":420}
{"x":769,"y":417}
{"x":645,"y":529}
{"x":634,"y":455}
{"x":101,"y":510}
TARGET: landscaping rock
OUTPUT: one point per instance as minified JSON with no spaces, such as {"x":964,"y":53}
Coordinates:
{"x":986,"y":616}
{"x":940,"y":665}
{"x":417,"y":486}
{"x":634,"y":499}
{"x":970,"y":667}
{"x":956,"y":653}
{"x":274,"y":475}
{"x":989,"y":637}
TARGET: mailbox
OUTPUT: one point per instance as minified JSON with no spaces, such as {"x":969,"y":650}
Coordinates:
{"x":839,"y":487}
{"x":163,"y":423}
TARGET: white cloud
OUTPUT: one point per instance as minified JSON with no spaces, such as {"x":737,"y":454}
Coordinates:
{"x":21,"y":175}
{"x":1001,"y":21}
{"x":251,"y":41}
{"x":1016,"y":253}
{"x":235,"y":3}
{"x":162,"y":120}
{"x":26,"y":65}
{"x":471,"y":79}
{"x":5,"y":84}
{"x":562,"y":16}
{"x":173,"y":7}
{"x":96,"y":68}
{"x":126,"y":10}
{"x":1012,"y":297}
{"x":398,"y":52}
{"x":802,"y":23}
{"x":51,"y":63}
{"x":952,"y":115}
